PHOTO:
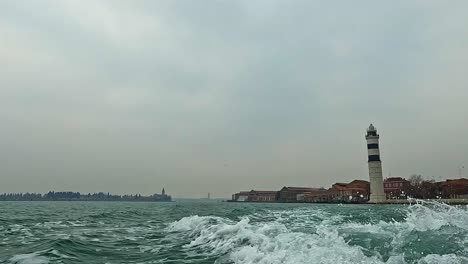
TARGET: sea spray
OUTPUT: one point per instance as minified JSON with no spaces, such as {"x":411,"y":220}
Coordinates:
{"x":430,"y":215}
{"x":276,"y":241}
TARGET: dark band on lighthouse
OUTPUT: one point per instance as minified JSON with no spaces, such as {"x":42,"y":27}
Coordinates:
{"x":374,"y":158}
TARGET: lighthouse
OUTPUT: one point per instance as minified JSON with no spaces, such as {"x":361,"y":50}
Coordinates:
{"x":377,"y":194}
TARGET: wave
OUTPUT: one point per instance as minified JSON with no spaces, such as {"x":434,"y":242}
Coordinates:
{"x":429,"y":215}
{"x":39,"y":257}
{"x":315,"y":236}
{"x":32,"y":258}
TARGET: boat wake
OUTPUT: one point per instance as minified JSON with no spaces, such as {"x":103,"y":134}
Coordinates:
{"x":429,"y":233}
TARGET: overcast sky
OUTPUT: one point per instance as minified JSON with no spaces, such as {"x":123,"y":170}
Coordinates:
{"x":222,"y":96}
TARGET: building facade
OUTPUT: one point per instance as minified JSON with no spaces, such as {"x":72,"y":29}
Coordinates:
{"x":240,"y":197}
{"x":255,"y":196}
{"x":455,"y":188}
{"x":292,"y":194}
{"x":396,"y":188}
{"x":355,"y":191}
{"x":377,"y":194}
{"x":316,"y":196}
{"x":262,"y":196}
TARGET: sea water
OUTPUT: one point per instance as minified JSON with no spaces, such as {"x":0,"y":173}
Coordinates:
{"x":219,"y":232}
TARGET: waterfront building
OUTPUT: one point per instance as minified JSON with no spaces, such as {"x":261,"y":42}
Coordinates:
{"x":290,"y":194}
{"x":377,"y":194}
{"x":241,"y":197}
{"x":255,"y":196}
{"x":456,"y":188}
{"x":317,"y":196}
{"x":396,"y":188}
{"x":262,"y":196}
{"x":355,"y":191}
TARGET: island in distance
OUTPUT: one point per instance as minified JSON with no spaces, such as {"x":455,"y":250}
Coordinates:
{"x":76,"y":196}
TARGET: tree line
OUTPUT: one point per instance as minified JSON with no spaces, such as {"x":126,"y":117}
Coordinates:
{"x":76,"y":196}
{"x":426,"y":189}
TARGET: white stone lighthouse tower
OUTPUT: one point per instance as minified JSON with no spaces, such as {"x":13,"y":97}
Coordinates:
{"x":377,"y":194}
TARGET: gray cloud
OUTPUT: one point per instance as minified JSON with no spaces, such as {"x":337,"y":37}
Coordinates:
{"x":226,"y":95}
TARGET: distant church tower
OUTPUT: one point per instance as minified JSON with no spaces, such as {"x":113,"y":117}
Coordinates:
{"x":377,"y":194}
{"x":163,"y":192}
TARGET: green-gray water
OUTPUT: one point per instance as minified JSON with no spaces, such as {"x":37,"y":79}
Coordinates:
{"x":217,"y":232}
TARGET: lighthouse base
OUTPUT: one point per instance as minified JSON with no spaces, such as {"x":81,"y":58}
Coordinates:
{"x":377,"y":199}
{"x":377,"y":194}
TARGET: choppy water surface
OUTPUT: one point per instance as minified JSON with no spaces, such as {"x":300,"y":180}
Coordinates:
{"x":217,"y":232}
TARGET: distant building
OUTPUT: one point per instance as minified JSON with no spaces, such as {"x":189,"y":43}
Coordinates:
{"x":262,"y":196}
{"x":456,"y":188}
{"x":396,"y":188}
{"x":355,"y":191}
{"x":290,"y":194}
{"x":241,"y":197}
{"x":377,"y":194}
{"x":255,"y":196}
{"x":317,"y":196}
{"x":163,"y":197}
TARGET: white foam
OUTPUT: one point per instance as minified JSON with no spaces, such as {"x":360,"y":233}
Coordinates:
{"x":32,"y":258}
{"x":145,"y":248}
{"x":443,"y":259}
{"x":191,"y":223}
{"x":38,"y":257}
{"x":58,"y":254}
{"x":424,"y":216}
{"x":269,"y":243}
{"x":320,"y":238}
{"x":77,"y":223}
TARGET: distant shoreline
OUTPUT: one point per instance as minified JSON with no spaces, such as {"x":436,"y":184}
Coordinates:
{"x":77,"y":196}
{"x":135,"y":201}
